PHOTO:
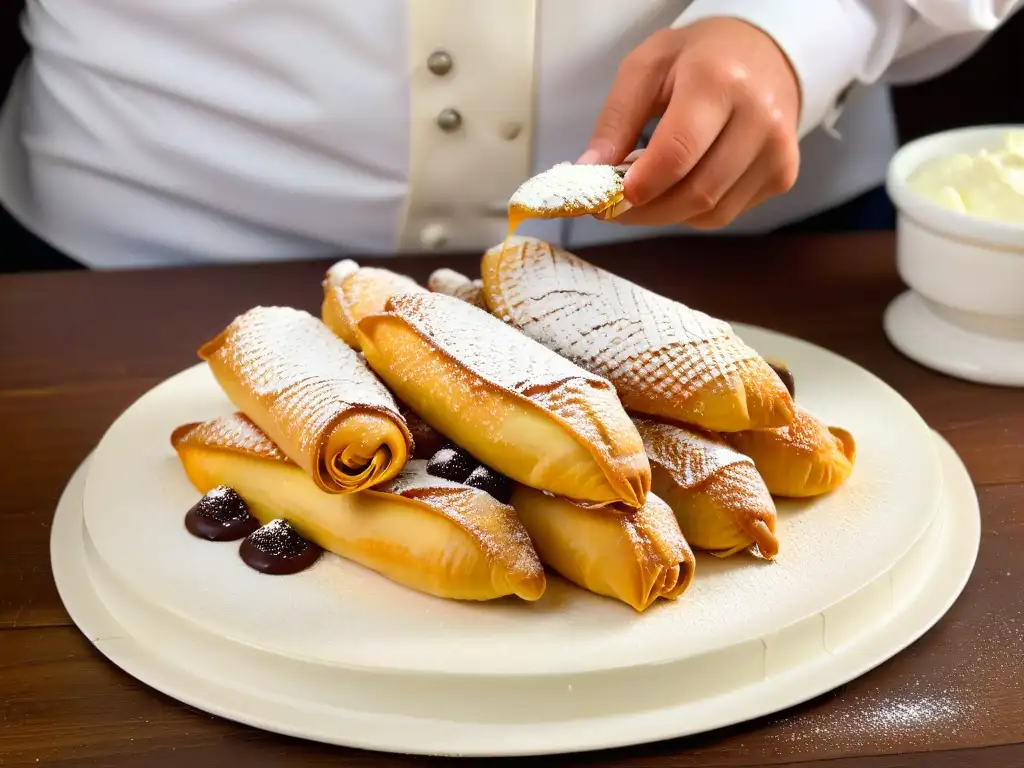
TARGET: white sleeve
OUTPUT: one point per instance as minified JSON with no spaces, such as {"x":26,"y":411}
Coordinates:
{"x":834,"y":45}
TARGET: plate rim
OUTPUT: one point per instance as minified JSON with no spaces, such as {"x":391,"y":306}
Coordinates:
{"x":963,"y":527}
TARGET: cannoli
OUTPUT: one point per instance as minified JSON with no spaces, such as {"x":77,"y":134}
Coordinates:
{"x":665,"y":359}
{"x":636,"y":556}
{"x":515,"y":405}
{"x":427,"y":533}
{"x":312,"y":395}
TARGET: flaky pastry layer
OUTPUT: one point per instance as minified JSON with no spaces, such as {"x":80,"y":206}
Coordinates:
{"x":716,"y":493}
{"x":352,"y":292}
{"x":636,"y":556}
{"x":807,"y":458}
{"x":452,"y":283}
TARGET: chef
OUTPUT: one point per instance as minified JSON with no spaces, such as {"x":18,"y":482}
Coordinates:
{"x":167,"y":132}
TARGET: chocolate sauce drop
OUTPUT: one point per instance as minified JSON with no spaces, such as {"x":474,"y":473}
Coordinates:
{"x":451,"y":464}
{"x":221,"y":515}
{"x":786,"y":376}
{"x":278,"y":549}
{"x":486,"y":479}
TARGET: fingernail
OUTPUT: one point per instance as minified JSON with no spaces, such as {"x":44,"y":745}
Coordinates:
{"x":599,"y":151}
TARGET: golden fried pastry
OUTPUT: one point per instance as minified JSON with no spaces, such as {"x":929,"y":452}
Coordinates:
{"x":807,"y":458}
{"x":429,"y":534}
{"x":719,"y":499}
{"x":312,"y":395}
{"x":452,"y":283}
{"x":567,"y":190}
{"x":515,"y":405}
{"x":352,"y":292}
{"x":665,"y":359}
{"x":636,"y":556}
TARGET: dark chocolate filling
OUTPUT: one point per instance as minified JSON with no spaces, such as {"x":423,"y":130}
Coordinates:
{"x":786,"y":376}
{"x":451,"y":463}
{"x":221,"y":515}
{"x":486,"y":479}
{"x":278,"y":549}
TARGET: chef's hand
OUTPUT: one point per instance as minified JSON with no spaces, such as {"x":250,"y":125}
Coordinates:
{"x":729,"y":102}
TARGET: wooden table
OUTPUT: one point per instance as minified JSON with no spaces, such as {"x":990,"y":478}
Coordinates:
{"x":77,"y":348}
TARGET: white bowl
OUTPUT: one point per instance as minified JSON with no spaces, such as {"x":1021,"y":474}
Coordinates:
{"x":964,"y":314}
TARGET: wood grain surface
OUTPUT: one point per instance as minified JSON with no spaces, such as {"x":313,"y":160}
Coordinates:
{"x":77,"y":348}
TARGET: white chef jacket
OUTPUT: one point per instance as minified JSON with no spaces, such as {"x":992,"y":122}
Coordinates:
{"x":158,"y":132}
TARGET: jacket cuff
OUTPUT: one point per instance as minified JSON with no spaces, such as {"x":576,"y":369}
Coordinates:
{"x":827,"y":43}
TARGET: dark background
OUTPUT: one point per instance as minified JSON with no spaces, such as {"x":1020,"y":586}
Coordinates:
{"x":988,"y":88}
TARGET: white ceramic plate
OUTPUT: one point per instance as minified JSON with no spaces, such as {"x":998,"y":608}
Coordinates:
{"x":943,"y":574}
{"x":407,"y":672}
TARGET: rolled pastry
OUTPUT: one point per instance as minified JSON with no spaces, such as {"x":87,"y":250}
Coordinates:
{"x":807,"y":458}
{"x":352,"y":292}
{"x":568,"y":190}
{"x":428,"y":534}
{"x":636,"y":557}
{"x":665,"y":359}
{"x":719,"y":499}
{"x":513,"y":404}
{"x":452,"y":283}
{"x":312,"y":395}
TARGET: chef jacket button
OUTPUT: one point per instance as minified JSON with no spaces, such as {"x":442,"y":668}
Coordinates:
{"x":433,"y":236}
{"x":449,"y":120}
{"x":440,"y":63}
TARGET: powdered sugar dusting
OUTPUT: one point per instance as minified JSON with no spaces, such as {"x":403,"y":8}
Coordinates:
{"x":567,"y":188}
{"x":236,"y":432}
{"x":501,"y":356}
{"x":278,"y":538}
{"x":352,"y":292}
{"x":447,"y":281}
{"x":690,"y":456}
{"x":494,"y":351}
{"x":741,"y":491}
{"x":305,"y":375}
{"x":414,"y":477}
{"x":495,"y":526}
{"x":709,"y":466}
{"x":805,"y":457}
{"x":657,"y":523}
{"x":369,"y":288}
{"x":452,"y":283}
{"x":648,"y":346}
{"x":807,"y":435}
{"x":340,"y":270}
{"x":644,"y":552}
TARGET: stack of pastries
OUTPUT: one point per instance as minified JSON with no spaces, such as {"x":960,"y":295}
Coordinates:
{"x":459,"y":438}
